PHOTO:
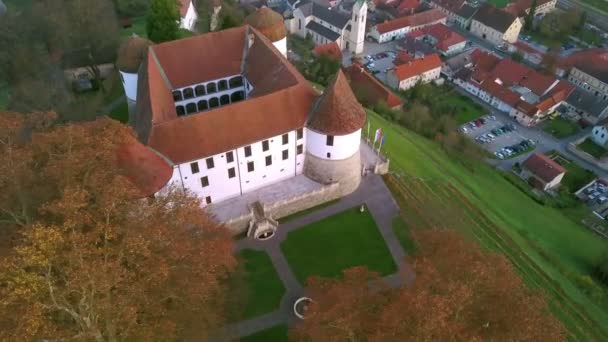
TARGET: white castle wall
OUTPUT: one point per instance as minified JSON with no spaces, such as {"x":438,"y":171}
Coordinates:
{"x":129,"y":83}
{"x":344,"y":145}
{"x":281,"y":45}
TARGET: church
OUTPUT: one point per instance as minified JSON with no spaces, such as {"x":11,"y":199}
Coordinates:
{"x":326,"y":25}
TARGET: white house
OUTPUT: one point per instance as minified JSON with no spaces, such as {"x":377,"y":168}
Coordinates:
{"x":398,"y":28}
{"x":188,"y":15}
{"x":326,"y":25}
{"x":599,"y":135}
{"x":495,"y":25}
{"x":407,"y":75}
{"x":131,"y":54}
{"x":243,"y":119}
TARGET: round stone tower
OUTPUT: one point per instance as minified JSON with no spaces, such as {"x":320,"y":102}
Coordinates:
{"x":130,"y":56}
{"x":333,"y":137}
{"x":271,"y":25}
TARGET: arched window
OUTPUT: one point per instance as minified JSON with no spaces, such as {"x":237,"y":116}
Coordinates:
{"x":236,"y":82}
{"x":180,"y":110}
{"x":213,"y":102}
{"x":211,"y":88}
{"x":202,"y":105}
{"x":188,"y":93}
{"x":222,"y":85}
{"x":191,"y":108}
{"x":200,"y":90}
{"x":237,"y":96}
{"x":224,"y":100}
{"x":177,"y":95}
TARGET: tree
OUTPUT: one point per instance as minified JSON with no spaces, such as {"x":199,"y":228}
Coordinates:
{"x":162,"y":23}
{"x":529,"y":21}
{"x":455,"y":296}
{"x":131,"y":7}
{"x":516,"y":56}
{"x":97,"y":264}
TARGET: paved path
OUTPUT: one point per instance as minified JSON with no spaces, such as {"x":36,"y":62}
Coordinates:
{"x":377,"y":197}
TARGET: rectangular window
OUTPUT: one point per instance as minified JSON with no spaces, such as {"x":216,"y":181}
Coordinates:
{"x":330,"y":140}
{"x":250,"y":167}
{"x":210,"y":163}
{"x":268,"y":160}
{"x":265,"y":145}
{"x":247,"y":151}
{"x":300,"y":133}
{"x":229,"y":157}
{"x":285,"y":154}
{"x":194,"y":167}
{"x":204,"y":181}
{"x":285,"y":138}
{"x":231,"y":173}
{"x":300,"y":149}
{"x":208,"y":199}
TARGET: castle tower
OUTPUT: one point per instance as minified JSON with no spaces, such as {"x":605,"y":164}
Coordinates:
{"x":357,"y":32}
{"x":271,"y":25}
{"x":333,"y":136}
{"x":130,"y":55}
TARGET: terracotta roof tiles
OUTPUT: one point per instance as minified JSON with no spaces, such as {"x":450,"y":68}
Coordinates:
{"x":368,"y":89}
{"x":417,"y":67}
{"x":268,"y":22}
{"x":543,"y":167}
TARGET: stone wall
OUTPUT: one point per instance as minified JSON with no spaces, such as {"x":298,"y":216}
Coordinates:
{"x":347,"y":172}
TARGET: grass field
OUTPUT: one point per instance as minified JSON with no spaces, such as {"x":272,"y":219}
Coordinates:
{"x":549,"y":250}
{"x":602,"y":5}
{"x":592,"y":148}
{"x":576,"y":177}
{"x":306,"y":212}
{"x":275,"y":334}
{"x":264,"y":288}
{"x":327,"y":247}
{"x":499,"y":3}
{"x":561,"y":128}
{"x":138,"y":26}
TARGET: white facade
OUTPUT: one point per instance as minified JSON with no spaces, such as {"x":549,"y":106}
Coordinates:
{"x":281,"y":45}
{"x":357,"y":33}
{"x":336,"y":147}
{"x":233,"y":173}
{"x":189,"y":20}
{"x":388,"y":36}
{"x":129,"y":83}
{"x":454,"y":49}
{"x":425,"y":77}
{"x":599,"y":135}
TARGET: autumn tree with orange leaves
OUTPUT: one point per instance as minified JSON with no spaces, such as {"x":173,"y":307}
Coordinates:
{"x":461,"y":293}
{"x":92,"y":261}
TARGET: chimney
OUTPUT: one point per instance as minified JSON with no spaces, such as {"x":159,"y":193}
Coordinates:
{"x":251,"y":40}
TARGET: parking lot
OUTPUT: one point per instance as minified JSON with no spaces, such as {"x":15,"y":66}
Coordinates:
{"x":499,"y":138}
{"x":379,"y":63}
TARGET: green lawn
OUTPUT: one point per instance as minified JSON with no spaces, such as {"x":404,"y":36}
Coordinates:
{"x":499,"y":3}
{"x":275,"y":334}
{"x":561,"y":128}
{"x":467,"y":110}
{"x":403,"y":233}
{"x":548,"y":249}
{"x":327,"y":247}
{"x":599,"y":4}
{"x":307,"y":211}
{"x":590,"y":37}
{"x":261,"y":288}
{"x":138,"y":26}
{"x":576,"y":177}
{"x":592,"y":148}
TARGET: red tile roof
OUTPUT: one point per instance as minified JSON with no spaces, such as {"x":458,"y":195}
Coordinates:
{"x":368,"y":89}
{"x":417,"y":67}
{"x":402,"y":58}
{"x":146,"y":169}
{"x":444,"y":36}
{"x":483,"y":60}
{"x":414,"y":21}
{"x":538,"y":83}
{"x":407,"y":6}
{"x":510,"y":72}
{"x":543,"y":167}
{"x":338,"y":111}
{"x":268,"y":22}
{"x":502,"y":93}
{"x":331,"y":50}
{"x":591,"y":61}
{"x":277,"y":88}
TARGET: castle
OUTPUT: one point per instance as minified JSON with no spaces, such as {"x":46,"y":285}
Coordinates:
{"x":228,"y":115}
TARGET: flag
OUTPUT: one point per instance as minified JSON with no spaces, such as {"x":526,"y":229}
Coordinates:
{"x":378,"y":135}
{"x":382,"y":141}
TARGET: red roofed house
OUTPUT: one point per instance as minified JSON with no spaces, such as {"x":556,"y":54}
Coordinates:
{"x":407,"y":7}
{"x":446,"y":41}
{"x":331,"y":50}
{"x":423,"y":70}
{"x":542,"y":172}
{"x":521,"y":8}
{"x":369,"y":90}
{"x":244,"y":120}
{"x":188,"y":15}
{"x":398,"y":28}
{"x":495,"y":25}
{"x":529,"y":53}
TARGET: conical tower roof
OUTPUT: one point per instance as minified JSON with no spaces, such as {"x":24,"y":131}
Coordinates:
{"x":338,"y":111}
{"x":268,"y":22}
{"x":132,"y":53}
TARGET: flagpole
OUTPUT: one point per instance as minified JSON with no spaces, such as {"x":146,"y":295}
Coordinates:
{"x":368,"y":124}
{"x":381,"y":143}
